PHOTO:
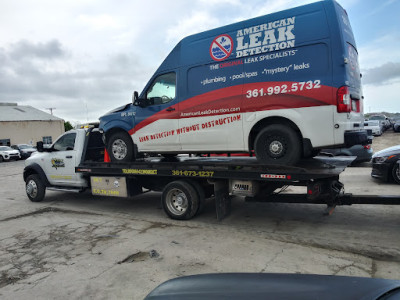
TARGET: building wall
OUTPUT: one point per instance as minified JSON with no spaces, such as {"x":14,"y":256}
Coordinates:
{"x":25,"y":132}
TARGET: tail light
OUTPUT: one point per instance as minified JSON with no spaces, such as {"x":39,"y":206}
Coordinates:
{"x":367,"y":147}
{"x":343,"y":100}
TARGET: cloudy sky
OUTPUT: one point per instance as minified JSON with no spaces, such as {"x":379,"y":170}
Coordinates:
{"x":86,"y":57}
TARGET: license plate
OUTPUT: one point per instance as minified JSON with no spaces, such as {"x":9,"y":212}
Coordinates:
{"x":109,"y":186}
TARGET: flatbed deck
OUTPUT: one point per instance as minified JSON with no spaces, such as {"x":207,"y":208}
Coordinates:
{"x":320,"y":175}
{"x":242,"y":168}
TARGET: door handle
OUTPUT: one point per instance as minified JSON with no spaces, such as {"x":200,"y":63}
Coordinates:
{"x":170,"y":109}
{"x":68,"y":156}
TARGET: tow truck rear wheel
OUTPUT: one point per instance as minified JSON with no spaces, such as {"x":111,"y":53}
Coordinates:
{"x":120,"y":147}
{"x":180,"y":200}
{"x":278,"y":144}
{"x":35,"y":188}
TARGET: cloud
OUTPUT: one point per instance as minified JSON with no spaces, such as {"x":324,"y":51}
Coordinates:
{"x":49,"y":50}
{"x":99,"y":22}
{"x":197,"y":22}
{"x":65,"y":84}
{"x":384,"y":74}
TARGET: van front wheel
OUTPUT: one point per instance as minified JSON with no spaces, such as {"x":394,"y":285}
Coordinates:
{"x":120,"y":147}
{"x":278,"y":144}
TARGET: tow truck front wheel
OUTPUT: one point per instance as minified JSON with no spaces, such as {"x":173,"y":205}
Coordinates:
{"x":35,"y":189}
{"x":120,"y":147}
{"x":180,"y":200}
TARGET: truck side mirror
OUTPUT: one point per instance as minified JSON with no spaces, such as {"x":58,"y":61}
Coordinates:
{"x":39,"y":146}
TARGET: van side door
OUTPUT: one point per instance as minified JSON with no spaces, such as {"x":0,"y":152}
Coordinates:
{"x":211,"y":118}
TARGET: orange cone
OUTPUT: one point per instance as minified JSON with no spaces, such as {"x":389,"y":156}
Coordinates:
{"x":106,"y":156}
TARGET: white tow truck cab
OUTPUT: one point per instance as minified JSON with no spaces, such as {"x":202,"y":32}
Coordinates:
{"x":54,"y":167}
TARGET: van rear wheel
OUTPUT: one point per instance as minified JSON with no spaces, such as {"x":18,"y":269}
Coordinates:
{"x":278,"y":144}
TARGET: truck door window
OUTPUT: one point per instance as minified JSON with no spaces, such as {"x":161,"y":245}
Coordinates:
{"x":65,"y":143}
{"x":162,"y":90}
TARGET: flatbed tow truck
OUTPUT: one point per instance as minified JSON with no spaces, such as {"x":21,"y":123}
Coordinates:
{"x":75,"y":162}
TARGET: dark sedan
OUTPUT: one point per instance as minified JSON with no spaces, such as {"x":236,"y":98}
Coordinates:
{"x":363,"y":153}
{"x":396,"y":125}
{"x":386,"y":164}
{"x":25,"y":150}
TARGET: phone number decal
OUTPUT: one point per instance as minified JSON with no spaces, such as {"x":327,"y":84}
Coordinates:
{"x":192,"y":173}
{"x":283,"y":89}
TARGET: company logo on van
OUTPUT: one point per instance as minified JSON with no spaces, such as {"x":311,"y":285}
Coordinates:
{"x":221,"y":47}
{"x":267,"y":37}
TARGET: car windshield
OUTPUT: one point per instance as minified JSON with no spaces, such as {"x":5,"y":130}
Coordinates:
{"x":377,"y":118}
{"x":5,"y":148}
{"x":25,"y":146}
{"x":373,"y":123}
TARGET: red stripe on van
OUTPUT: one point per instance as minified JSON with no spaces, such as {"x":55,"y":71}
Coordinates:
{"x":214,"y":102}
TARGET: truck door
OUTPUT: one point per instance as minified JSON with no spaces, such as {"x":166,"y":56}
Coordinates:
{"x":61,"y":162}
{"x":156,"y":121}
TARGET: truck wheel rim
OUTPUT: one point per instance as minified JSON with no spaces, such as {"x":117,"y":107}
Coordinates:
{"x":176,"y":202}
{"x":119,"y":149}
{"x":31,"y":189}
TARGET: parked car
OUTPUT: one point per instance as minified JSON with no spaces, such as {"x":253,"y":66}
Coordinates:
{"x":8,"y":153}
{"x":396,"y":125}
{"x":383,"y":119}
{"x":385,"y":164}
{"x":363,"y":153}
{"x":375,"y":127}
{"x":25,"y":150}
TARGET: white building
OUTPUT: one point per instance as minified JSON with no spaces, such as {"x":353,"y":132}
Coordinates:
{"x":25,"y":124}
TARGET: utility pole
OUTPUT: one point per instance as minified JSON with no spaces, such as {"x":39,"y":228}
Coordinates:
{"x":51,"y":109}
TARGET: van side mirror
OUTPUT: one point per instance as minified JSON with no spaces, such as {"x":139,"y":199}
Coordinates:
{"x":39,"y":146}
{"x":135,"y":98}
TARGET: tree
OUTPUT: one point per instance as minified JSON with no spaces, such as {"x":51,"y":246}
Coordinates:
{"x":68,"y":126}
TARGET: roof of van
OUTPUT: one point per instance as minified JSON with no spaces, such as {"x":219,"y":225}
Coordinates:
{"x":191,"y":49}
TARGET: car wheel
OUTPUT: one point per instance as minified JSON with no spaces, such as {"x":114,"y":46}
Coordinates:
{"x":278,"y":144}
{"x":180,"y":200}
{"x":120,"y":147}
{"x":1,"y":158}
{"x":396,"y":173}
{"x":35,"y":188}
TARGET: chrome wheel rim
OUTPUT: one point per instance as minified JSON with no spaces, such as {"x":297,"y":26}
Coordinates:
{"x":31,"y":188}
{"x":119,"y":149}
{"x":177,"y":202}
{"x":276,"y":148}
